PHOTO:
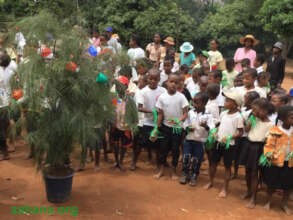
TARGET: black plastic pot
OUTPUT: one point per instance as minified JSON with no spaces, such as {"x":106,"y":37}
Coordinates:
{"x":58,"y":189}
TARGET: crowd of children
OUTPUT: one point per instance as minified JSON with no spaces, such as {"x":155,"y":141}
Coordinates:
{"x":199,"y":110}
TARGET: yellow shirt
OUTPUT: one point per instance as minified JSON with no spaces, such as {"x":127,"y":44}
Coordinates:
{"x":155,"y":53}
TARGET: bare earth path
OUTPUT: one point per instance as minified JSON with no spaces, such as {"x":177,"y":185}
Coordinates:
{"x":110,"y":194}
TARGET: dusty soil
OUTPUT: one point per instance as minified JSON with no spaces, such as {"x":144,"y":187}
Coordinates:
{"x":110,"y":194}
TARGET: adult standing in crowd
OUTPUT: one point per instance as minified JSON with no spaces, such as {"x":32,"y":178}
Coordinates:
{"x":276,"y":66}
{"x":113,"y":42}
{"x":154,"y":50}
{"x":168,"y":45}
{"x":135,"y":52}
{"x":215,"y":56}
{"x":245,"y":52}
{"x":186,"y":56}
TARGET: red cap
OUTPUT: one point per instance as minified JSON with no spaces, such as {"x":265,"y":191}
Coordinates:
{"x":124,"y":80}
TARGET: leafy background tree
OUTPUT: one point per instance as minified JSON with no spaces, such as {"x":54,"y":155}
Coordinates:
{"x":277,"y":17}
{"x":197,"y":21}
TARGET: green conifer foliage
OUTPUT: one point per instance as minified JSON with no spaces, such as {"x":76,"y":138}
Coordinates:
{"x":67,"y":103}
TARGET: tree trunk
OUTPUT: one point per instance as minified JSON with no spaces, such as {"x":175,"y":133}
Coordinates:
{"x":288,"y":42}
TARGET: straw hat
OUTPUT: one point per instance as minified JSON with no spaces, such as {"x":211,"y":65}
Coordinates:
{"x":169,"y":40}
{"x":186,"y":47}
{"x":249,"y":36}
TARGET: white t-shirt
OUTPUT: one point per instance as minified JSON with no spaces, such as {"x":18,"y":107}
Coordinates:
{"x":194,"y":120}
{"x":148,"y":98}
{"x":163,"y":77}
{"x":134,"y":54}
{"x":192,"y":87}
{"x":245,"y":115}
{"x":221,"y":99}
{"x":4,"y":86}
{"x":140,"y":114}
{"x":213,"y":107}
{"x":12,"y":66}
{"x":172,"y":106}
{"x":215,"y":57}
{"x":229,"y":125}
{"x":242,"y":90}
{"x":260,"y":131}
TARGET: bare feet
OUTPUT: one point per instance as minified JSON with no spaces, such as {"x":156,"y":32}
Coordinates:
{"x":246,"y":196}
{"x":28,"y":157}
{"x":174,"y":174}
{"x":234,"y":177}
{"x":251,"y":204}
{"x":287,"y":210}
{"x":223,"y":194}
{"x":97,"y":168}
{"x":133,"y":167}
{"x":267,"y":206}
{"x":208,"y":186}
{"x":160,"y":174}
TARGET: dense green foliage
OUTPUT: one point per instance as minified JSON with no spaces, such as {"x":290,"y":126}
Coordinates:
{"x":67,"y":104}
{"x":197,"y":21}
{"x":277,"y":17}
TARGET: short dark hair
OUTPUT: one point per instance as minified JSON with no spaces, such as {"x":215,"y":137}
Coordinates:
{"x":252,"y":95}
{"x":217,"y":74}
{"x":260,"y":58}
{"x":135,"y":38}
{"x":230,"y":63}
{"x":203,"y":97}
{"x":284,"y":112}
{"x":251,"y":72}
{"x":263,"y":103}
{"x":282,"y":95}
{"x":126,"y":71}
{"x":213,"y":90}
{"x":5,"y":60}
{"x":245,"y":61}
{"x":263,"y":74}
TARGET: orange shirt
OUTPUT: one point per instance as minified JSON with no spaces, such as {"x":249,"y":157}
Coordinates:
{"x":277,"y":144}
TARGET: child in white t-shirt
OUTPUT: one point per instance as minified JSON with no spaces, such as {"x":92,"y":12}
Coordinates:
{"x":212,"y":106}
{"x":167,"y":69}
{"x":192,"y":83}
{"x":231,"y":128}
{"x":198,"y":123}
{"x":172,"y":111}
{"x":249,"y":77}
{"x":278,"y":99}
{"x":257,"y":129}
{"x":241,"y":142}
{"x":263,"y":82}
{"x":216,"y":77}
{"x":146,"y":104}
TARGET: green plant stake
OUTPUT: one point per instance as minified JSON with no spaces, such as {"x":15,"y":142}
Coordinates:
{"x":265,"y":161}
{"x":211,"y":140}
{"x":155,"y":131}
{"x":252,"y":120}
{"x":228,"y":141}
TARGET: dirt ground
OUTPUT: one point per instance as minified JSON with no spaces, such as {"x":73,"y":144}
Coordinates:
{"x":110,"y":194}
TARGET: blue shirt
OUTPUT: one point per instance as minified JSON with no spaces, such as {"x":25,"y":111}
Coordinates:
{"x":187,"y":60}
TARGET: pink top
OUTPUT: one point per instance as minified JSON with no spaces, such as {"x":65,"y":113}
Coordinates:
{"x":240,"y":54}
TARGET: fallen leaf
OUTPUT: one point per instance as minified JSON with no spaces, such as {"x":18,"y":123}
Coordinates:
{"x":184,"y":210}
{"x":118,"y":212}
{"x":15,"y":198}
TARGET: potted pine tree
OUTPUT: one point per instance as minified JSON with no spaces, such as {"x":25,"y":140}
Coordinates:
{"x":64,"y":93}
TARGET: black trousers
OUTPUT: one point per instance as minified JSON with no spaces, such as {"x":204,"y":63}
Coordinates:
{"x":170,"y":142}
{"x":4,"y":124}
